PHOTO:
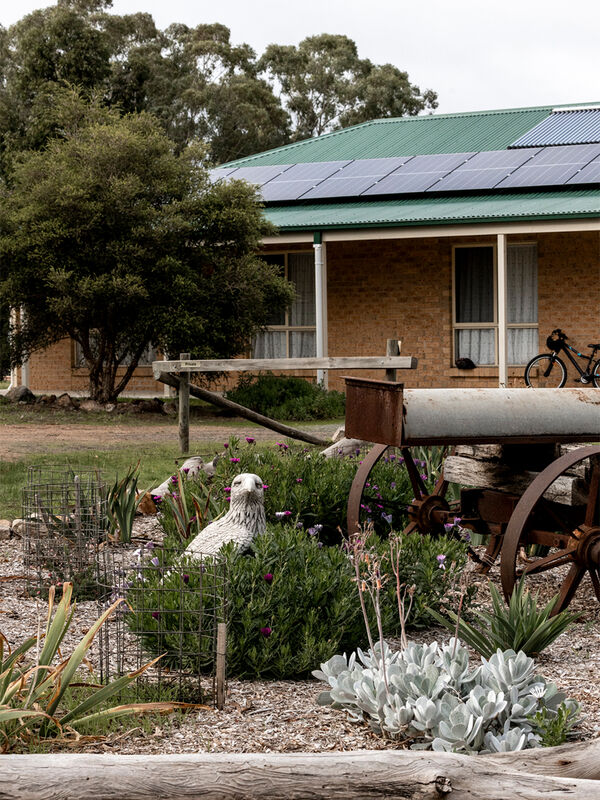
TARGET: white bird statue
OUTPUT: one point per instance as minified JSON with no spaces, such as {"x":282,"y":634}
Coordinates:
{"x":244,"y":520}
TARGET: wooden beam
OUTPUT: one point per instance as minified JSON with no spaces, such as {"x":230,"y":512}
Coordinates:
{"x":283,"y":364}
{"x":554,"y":773}
{"x":242,"y":411}
{"x":183,"y":393}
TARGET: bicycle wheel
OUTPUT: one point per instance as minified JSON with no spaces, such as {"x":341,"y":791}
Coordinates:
{"x":596,"y":374}
{"x":545,"y":371}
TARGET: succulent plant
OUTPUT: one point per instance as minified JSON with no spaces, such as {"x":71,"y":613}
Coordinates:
{"x":428,"y":694}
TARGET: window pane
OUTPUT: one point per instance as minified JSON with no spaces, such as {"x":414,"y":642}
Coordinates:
{"x":476,"y":344}
{"x":301,"y":271}
{"x":302,"y":344}
{"x":474,"y":284}
{"x":522,"y":345}
{"x":277,"y":317}
{"x":270,"y":344}
{"x":522,"y":292}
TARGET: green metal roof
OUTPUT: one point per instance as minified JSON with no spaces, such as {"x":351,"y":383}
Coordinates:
{"x":439,"y":210}
{"x":409,"y":136}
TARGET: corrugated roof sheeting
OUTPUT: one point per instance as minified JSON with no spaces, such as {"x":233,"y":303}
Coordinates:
{"x":581,"y":126}
{"x":430,"y":211}
{"x":408,"y":136}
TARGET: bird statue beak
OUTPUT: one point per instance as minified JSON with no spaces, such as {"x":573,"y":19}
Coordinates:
{"x":248,"y":485}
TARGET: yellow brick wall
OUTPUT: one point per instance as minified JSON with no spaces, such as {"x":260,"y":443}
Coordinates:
{"x":388,"y":289}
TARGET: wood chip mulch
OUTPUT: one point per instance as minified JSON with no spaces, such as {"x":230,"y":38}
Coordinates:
{"x":283,"y":716}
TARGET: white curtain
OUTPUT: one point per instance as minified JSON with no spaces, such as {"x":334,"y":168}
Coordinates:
{"x":522,"y":302}
{"x":474,"y":290}
{"x":301,"y":272}
{"x":269,"y":344}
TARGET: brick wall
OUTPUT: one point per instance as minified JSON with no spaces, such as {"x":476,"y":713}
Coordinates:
{"x":390,"y":289}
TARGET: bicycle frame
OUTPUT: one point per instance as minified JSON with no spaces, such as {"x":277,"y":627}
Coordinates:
{"x":565,"y":349}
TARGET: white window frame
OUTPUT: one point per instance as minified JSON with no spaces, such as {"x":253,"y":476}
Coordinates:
{"x":457,"y":326}
{"x":287,"y":327}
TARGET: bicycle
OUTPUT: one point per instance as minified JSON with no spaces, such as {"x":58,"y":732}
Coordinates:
{"x":547,"y":370}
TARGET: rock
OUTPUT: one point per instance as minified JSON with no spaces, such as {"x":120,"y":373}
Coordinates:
{"x":90,"y":405}
{"x":5,"y":528}
{"x":170,"y":409}
{"x":110,"y":408}
{"x":20,"y":394}
{"x":66,"y":401}
{"x":18,"y":526}
{"x":344,"y":447}
{"x":154,"y":406}
{"x":340,"y":433}
{"x":46,"y":399}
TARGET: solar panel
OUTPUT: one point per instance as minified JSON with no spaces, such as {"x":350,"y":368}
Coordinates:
{"x":219,"y":173}
{"x":573,"y":126}
{"x":260,"y":175}
{"x":588,"y":174}
{"x":418,"y":174}
{"x":552,"y":166}
{"x":484,"y":170}
{"x":357,"y":176}
{"x":299,"y":179}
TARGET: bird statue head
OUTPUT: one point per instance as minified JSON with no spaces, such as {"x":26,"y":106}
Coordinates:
{"x":246,"y":488}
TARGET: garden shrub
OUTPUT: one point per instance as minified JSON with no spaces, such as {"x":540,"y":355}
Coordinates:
{"x":292,"y":601}
{"x":287,"y":398}
{"x":314,"y":490}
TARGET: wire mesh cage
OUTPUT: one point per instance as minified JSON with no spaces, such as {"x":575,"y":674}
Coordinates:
{"x":174,"y":611}
{"x":64,"y":514}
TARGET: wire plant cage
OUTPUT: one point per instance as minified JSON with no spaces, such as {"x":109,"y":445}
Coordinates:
{"x":175,"y":611}
{"x":65,"y":522}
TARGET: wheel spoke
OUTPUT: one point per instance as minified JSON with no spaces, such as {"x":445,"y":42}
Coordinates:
{"x":549,"y":562}
{"x":413,"y":473}
{"x":569,"y":587}
{"x":595,"y":580}
{"x":590,"y":511}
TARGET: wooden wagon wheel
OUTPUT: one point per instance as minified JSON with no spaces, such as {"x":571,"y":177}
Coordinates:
{"x":424,"y":503}
{"x":570,"y":535}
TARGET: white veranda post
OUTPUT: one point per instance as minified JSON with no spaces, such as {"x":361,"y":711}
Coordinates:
{"x":321,"y":306}
{"x":502,"y":311}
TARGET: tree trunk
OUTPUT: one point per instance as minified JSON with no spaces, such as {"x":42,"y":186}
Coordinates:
{"x":571,"y":771}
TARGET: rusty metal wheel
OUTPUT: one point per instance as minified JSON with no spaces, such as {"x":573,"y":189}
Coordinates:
{"x":569,"y":536}
{"x":427,"y":512}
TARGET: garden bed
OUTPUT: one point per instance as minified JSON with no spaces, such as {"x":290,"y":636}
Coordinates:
{"x":283,"y":716}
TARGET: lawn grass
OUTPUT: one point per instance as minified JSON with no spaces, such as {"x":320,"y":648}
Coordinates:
{"x":157,"y":462}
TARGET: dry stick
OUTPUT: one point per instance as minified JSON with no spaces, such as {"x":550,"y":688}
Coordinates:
{"x":242,"y":411}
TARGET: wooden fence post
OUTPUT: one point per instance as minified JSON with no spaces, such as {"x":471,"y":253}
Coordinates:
{"x":393,"y":348}
{"x":184,"y":408}
{"x":220,"y":665}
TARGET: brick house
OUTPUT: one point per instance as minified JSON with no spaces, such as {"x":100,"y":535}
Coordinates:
{"x":465,"y":235}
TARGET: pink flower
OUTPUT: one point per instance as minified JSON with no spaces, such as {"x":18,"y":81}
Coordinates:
{"x":235,"y":460}
{"x":266,"y":631}
{"x":265,"y":486}
{"x":268,"y":577}
{"x":298,"y":480}
{"x":250,"y":439}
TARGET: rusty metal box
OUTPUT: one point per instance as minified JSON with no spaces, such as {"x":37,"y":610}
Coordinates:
{"x":374,"y":410}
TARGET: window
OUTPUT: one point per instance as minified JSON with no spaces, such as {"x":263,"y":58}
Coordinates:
{"x":475,"y":304}
{"x":292,"y":334}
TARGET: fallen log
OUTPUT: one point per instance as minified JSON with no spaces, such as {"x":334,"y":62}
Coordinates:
{"x":242,"y":411}
{"x":551,"y":774}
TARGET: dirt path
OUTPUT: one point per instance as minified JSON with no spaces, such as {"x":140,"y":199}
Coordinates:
{"x":17,"y":441}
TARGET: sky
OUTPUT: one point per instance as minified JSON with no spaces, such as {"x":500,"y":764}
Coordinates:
{"x":476,"y":54}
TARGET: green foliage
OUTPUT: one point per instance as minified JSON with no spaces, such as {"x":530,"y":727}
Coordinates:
{"x":186,"y":509}
{"x":554,"y":729}
{"x":520,"y":626}
{"x":315,"y":489}
{"x":281,"y":397}
{"x":121,"y":505}
{"x":326,"y":86}
{"x":133,"y":246}
{"x":32,"y":697}
{"x":290,"y":601}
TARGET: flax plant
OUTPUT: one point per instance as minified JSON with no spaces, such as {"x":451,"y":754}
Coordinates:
{"x":32,"y":695}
